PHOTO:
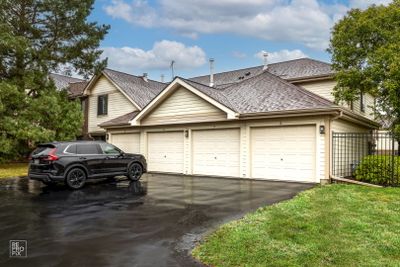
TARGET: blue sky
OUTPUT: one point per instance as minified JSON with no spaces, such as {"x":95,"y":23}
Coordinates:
{"x":146,"y":35}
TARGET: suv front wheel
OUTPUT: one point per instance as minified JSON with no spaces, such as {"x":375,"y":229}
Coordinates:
{"x":76,"y":178}
{"x":135,"y":171}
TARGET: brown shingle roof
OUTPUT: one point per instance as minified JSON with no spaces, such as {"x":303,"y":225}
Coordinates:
{"x":289,"y":70}
{"x":62,"y":81}
{"x":258,"y":92}
{"x":140,"y":91}
{"x":269,"y":93}
{"x":264,"y":92}
{"x":121,"y":120}
{"x":76,"y":89}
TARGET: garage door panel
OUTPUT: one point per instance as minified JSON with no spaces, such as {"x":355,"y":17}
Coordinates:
{"x":165,"y":152}
{"x":129,"y":142}
{"x":216,"y":152}
{"x":283,"y":153}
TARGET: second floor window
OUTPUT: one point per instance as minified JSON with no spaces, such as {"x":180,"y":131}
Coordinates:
{"x":102,"y":104}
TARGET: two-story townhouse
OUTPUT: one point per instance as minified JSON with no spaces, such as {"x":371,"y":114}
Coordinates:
{"x":266,"y":122}
{"x":113,"y":94}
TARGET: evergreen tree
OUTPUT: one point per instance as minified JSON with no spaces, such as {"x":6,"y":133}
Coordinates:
{"x":38,"y":37}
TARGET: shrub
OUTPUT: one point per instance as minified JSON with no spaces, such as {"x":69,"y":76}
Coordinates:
{"x":377,"y":169}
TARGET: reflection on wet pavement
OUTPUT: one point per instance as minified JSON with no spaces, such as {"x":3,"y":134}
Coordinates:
{"x":154,"y":222}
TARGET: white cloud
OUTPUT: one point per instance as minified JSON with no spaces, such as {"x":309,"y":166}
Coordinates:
{"x":131,"y":59}
{"x":281,"y":55}
{"x":303,"y":21}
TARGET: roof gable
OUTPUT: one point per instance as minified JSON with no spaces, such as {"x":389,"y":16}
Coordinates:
{"x":138,"y":91}
{"x":199,"y":92}
{"x":135,"y":88}
{"x":183,"y":106}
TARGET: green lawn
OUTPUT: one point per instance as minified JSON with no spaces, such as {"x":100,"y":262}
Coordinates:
{"x":335,"y":225}
{"x":13,"y":170}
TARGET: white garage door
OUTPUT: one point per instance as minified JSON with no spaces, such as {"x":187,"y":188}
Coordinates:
{"x":216,"y":152}
{"x":165,"y":152}
{"x":127,"y":142}
{"x":283,"y":153}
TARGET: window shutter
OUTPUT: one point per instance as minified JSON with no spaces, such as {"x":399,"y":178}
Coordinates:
{"x":99,"y":104}
{"x":102,"y":104}
{"x":105,"y":111}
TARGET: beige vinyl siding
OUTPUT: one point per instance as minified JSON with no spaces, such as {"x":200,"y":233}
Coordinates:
{"x":321,"y":88}
{"x":369,"y":103}
{"x":118,"y":104}
{"x":325,"y":89}
{"x":342,"y":126}
{"x":182,"y":107}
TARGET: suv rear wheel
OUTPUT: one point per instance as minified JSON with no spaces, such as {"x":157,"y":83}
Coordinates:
{"x":135,"y":171}
{"x":76,"y":178}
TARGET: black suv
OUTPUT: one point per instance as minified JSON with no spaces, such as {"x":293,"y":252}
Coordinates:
{"x":75,"y":162}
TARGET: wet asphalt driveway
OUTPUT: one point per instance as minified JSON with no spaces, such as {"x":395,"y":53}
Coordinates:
{"x":151,"y":223}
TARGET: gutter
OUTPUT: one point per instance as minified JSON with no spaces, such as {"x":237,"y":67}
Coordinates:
{"x":290,"y":113}
{"x":351,"y":116}
{"x":311,"y":78}
{"x":338,"y":116}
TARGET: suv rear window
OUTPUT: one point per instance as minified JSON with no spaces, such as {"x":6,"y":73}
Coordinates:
{"x":88,"y":149}
{"x":42,"y":150}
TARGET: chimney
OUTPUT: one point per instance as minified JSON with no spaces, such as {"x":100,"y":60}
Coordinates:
{"x":211,"y":72}
{"x":265,"y":55}
{"x":145,"y":77}
{"x":162,"y":78}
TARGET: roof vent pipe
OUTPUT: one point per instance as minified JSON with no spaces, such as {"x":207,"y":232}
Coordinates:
{"x":162,"y":78}
{"x":265,"y":55}
{"x":145,"y":77}
{"x":211,"y":72}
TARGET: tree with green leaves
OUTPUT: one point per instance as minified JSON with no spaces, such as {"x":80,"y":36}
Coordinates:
{"x":365,"y":48}
{"x":38,"y":37}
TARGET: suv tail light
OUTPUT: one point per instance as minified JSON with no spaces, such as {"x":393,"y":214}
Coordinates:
{"x":52,"y":156}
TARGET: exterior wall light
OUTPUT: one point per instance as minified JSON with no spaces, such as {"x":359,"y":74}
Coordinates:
{"x":322,"y":129}
{"x":186,"y":133}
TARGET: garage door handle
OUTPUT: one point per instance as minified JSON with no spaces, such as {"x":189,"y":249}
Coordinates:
{"x":165,"y":156}
{"x":215,"y":157}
